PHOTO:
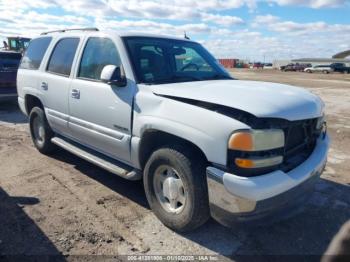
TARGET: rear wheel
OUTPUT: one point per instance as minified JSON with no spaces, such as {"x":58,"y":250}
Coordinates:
{"x":325,"y":71}
{"x":40,"y":131}
{"x":176,"y":188}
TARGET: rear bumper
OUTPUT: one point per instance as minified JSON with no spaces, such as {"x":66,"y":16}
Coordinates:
{"x":8,"y":79}
{"x":8,"y":90}
{"x":8,"y":96}
{"x":236,"y":199}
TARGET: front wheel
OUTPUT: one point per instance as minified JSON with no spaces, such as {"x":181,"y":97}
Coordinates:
{"x":325,"y":71}
{"x":176,"y":188}
{"x":40,"y":131}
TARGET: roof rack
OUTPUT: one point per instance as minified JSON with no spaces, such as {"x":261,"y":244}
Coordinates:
{"x":73,"y":29}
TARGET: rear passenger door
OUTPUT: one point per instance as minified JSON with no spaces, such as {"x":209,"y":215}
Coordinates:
{"x":100,"y":114}
{"x":55,"y":83}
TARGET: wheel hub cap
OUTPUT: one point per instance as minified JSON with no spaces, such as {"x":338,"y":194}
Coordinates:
{"x":169,"y":189}
{"x":39,"y":131}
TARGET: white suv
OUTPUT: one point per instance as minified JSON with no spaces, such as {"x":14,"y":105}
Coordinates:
{"x":163,"y":109}
{"x":326,"y":69}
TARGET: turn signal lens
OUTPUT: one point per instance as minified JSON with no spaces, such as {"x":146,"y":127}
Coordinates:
{"x":258,"y":162}
{"x":244,"y":163}
{"x":241,"y":141}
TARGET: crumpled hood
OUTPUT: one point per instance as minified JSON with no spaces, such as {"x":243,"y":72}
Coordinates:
{"x":262,"y":99}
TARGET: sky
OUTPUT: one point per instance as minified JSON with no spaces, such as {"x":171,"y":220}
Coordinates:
{"x":256,"y":30}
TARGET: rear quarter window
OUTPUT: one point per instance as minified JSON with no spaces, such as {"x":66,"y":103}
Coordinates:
{"x":34,"y":54}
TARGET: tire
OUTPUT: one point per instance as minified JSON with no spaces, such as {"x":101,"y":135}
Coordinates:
{"x":325,"y":72}
{"x":191,"y":171}
{"x":40,"y":131}
{"x":308,"y":71}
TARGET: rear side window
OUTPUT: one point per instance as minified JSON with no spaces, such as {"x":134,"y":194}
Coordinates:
{"x":98,"y":53}
{"x":35,"y":53}
{"x":62,"y":57}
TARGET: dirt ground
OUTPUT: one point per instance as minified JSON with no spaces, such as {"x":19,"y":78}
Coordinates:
{"x":64,"y":205}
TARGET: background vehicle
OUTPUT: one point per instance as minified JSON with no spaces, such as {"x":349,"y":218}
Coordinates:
{"x":135,"y":104}
{"x":326,"y":69}
{"x":9,"y":62}
{"x":16,"y":44}
{"x":288,"y":66}
{"x":294,"y":67}
{"x":340,"y":67}
{"x":258,"y":65}
{"x":268,"y":66}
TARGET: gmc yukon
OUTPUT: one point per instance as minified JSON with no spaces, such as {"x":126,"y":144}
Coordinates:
{"x":163,"y":109}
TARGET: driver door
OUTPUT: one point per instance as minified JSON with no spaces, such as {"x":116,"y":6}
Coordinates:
{"x":100,"y":114}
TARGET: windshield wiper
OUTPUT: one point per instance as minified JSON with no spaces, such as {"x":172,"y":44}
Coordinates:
{"x":177,"y":78}
{"x":186,"y":78}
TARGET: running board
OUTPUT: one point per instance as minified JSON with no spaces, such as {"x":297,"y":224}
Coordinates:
{"x":98,"y":159}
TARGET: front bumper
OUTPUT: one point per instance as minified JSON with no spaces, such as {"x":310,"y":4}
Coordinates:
{"x":236,"y":199}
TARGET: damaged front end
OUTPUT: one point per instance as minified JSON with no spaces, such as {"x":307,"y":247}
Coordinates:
{"x":300,"y":137}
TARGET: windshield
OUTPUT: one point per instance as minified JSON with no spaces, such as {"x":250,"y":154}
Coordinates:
{"x":160,"y":61}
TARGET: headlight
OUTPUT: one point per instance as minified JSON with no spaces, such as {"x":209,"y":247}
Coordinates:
{"x":256,"y":140}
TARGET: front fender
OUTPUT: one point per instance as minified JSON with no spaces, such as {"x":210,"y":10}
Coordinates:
{"x":196,"y":136}
{"x":207,"y":129}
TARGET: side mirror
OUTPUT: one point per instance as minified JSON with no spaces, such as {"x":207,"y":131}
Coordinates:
{"x":113,"y":75}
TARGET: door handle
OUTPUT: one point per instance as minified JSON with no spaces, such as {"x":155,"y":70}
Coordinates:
{"x":75,"y":93}
{"x":44,"y":86}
